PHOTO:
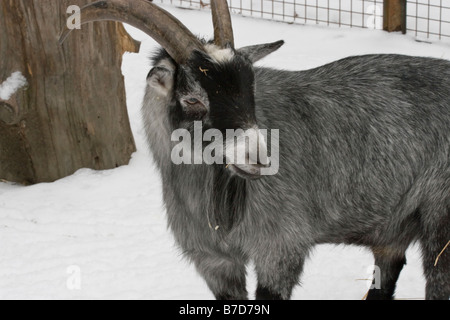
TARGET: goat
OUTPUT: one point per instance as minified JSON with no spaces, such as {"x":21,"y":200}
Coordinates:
{"x":364,"y":156}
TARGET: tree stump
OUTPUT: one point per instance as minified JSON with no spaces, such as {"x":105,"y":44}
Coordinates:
{"x":72,"y":114}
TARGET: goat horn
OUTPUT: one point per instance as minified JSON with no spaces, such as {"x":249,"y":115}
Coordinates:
{"x":168,"y":31}
{"x":223,"y":28}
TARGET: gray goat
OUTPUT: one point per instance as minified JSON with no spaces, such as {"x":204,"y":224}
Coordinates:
{"x":364,"y":156}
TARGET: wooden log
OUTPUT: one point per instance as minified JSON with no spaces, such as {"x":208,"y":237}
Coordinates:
{"x":72,"y":114}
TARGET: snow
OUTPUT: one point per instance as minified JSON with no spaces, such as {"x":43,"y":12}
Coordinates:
{"x":360,"y":13}
{"x":425,"y":18}
{"x":103,"y":235}
{"x":12,"y":85}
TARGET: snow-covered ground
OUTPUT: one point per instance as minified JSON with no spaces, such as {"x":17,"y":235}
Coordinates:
{"x":102,"y":235}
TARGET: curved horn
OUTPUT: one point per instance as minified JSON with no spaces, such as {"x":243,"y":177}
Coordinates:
{"x":168,"y":31}
{"x":223,"y":29}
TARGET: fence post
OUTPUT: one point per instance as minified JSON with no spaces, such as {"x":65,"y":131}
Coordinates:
{"x":394,"y":16}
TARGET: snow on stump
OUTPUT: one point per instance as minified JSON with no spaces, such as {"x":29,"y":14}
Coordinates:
{"x":9,"y":108}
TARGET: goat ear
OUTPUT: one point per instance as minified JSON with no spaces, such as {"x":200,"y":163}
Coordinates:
{"x":161,"y":79}
{"x":259,"y":51}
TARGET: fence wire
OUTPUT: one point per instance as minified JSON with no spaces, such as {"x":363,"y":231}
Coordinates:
{"x":429,"y":18}
{"x":425,"y":18}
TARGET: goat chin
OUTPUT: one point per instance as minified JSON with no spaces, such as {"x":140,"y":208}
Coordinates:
{"x":247,"y":171}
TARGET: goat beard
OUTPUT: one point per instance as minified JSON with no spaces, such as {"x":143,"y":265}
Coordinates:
{"x":228,"y":204}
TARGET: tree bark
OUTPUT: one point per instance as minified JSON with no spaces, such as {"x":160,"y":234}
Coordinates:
{"x":73,"y":112}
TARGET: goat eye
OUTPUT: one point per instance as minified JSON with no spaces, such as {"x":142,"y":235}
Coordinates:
{"x":192,"y":101}
{"x":193,"y":108}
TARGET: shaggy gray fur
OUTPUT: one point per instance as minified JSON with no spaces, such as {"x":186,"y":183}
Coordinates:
{"x":364,"y":159}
